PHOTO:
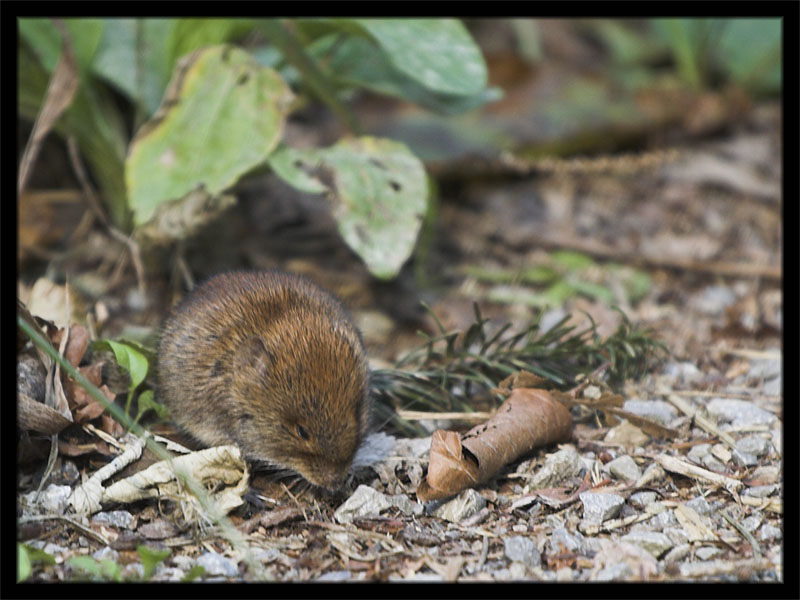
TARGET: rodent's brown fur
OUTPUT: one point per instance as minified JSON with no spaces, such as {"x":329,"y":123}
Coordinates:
{"x":260,"y":359}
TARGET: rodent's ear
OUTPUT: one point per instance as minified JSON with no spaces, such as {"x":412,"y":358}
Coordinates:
{"x":252,"y":354}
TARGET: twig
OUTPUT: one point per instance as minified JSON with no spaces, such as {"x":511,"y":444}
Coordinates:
{"x":675,"y":465}
{"x":358,"y":532}
{"x":746,"y":353}
{"x":707,"y":569}
{"x":419,"y":415}
{"x":86,"y":530}
{"x":701,"y":420}
{"x":300,"y":507}
{"x":708,"y":394}
{"x":484,"y":554}
{"x":745,"y":534}
{"x":771,"y":504}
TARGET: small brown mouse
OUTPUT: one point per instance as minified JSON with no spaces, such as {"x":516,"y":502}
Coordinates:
{"x":271,"y":362}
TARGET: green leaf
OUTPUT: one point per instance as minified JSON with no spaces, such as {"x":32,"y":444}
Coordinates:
{"x":150,"y":558}
{"x":222,"y":116}
{"x":538,"y":274}
{"x":128,"y":357}
{"x":593,"y":290}
{"x":627,"y":45}
{"x":519,"y":295}
{"x":87,"y":564}
{"x":361,"y":62}
{"x":637,"y":285}
{"x":105,"y":569}
{"x":95,"y":122}
{"x":45,"y":40}
{"x":24,"y":567}
{"x":559,"y":292}
{"x":379,"y":190}
{"x":140,"y":70}
{"x":572,"y":261}
{"x":298,"y":168}
{"x":188,"y":35}
{"x":687,"y":39}
{"x":146,"y":402}
{"x":750,"y":52}
{"x":110,"y":570}
{"x":438,"y":53}
{"x":193,"y":573}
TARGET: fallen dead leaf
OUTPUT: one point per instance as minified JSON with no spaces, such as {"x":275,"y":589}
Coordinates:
{"x":529,"y":418}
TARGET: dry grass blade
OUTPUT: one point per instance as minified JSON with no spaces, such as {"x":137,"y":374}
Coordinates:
{"x":60,"y":93}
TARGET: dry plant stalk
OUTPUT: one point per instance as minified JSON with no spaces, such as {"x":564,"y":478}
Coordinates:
{"x":528,"y":419}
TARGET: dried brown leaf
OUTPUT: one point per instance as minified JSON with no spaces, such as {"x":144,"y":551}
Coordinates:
{"x":77,"y":344}
{"x":38,"y":417}
{"x":529,"y":418}
{"x":521,"y":379}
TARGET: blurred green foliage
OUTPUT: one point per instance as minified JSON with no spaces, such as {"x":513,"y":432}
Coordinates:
{"x":704,"y":52}
{"x":566,"y":274}
{"x":126,"y":68}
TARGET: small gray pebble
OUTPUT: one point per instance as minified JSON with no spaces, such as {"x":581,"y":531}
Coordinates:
{"x":699,"y":505}
{"x":739,"y":413}
{"x":697,"y":453}
{"x":753,"y":444}
{"x":769,"y":532}
{"x":599,"y":507}
{"x":217,"y":565}
{"x":642,"y":499}
{"x":522,"y":549}
{"x":761,"y":491}
{"x":707,"y":552}
{"x":624,"y":468}
{"x":654,"y":542}
{"x":658,"y":410}
{"x":114,"y":518}
{"x":615,"y":572}
{"x":335,"y":576}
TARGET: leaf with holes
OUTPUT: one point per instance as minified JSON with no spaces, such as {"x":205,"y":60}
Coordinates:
{"x":379,"y":191}
{"x":222,"y":115}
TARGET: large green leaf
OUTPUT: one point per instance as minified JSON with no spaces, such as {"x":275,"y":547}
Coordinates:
{"x":223,"y":114}
{"x":359,"y":61}
{"x":45,"y":40}
{"x":379,"y":190}
{"x":140,"y":69}
{"x":431,"y":62}
{"x":439,"y":53}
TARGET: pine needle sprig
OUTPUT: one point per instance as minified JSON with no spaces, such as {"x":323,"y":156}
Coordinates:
{"x":455,"y":371}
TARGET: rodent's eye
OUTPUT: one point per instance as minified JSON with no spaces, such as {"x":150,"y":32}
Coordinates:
{"x":302,"y":432}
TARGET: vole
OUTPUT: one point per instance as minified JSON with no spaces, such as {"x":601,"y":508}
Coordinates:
{"x":271,"y":362}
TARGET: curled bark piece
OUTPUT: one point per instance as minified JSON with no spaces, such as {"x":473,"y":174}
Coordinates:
{"x":529,"y":418}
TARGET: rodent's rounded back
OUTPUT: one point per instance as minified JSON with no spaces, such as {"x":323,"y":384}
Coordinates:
{"x":271,"y":362}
